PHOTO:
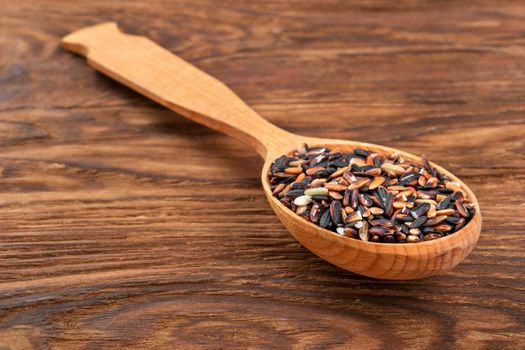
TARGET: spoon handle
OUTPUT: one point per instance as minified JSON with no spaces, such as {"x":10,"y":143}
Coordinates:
{"x":155,"y":72}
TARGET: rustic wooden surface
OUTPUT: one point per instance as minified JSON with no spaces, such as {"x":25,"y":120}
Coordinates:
{"x":124,"y":225}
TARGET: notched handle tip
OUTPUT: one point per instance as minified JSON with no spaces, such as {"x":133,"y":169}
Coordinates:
{"x":81,"y":40}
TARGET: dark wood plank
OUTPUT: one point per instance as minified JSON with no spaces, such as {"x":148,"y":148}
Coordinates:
{"x":123,"y":225}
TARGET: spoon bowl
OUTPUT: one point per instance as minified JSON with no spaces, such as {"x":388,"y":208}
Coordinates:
{"x":399,"y":261}
{"x":153,"y":71}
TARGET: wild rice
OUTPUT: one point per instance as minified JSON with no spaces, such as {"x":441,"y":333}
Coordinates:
{"x":370,"y":196}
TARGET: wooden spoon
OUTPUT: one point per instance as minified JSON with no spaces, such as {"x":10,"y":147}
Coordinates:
{"x":155,"y":72}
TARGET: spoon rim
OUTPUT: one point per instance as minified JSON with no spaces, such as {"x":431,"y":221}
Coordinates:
{"x":475,"y":220}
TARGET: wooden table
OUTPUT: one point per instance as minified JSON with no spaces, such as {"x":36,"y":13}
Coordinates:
{"x":124,"y":225}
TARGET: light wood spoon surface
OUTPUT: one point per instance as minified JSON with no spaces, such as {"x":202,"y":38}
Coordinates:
{"x":155,"y":72}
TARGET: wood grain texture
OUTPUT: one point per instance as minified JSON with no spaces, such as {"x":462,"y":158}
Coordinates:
{"x":108,"y":234}
{"x":144,"y":66}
